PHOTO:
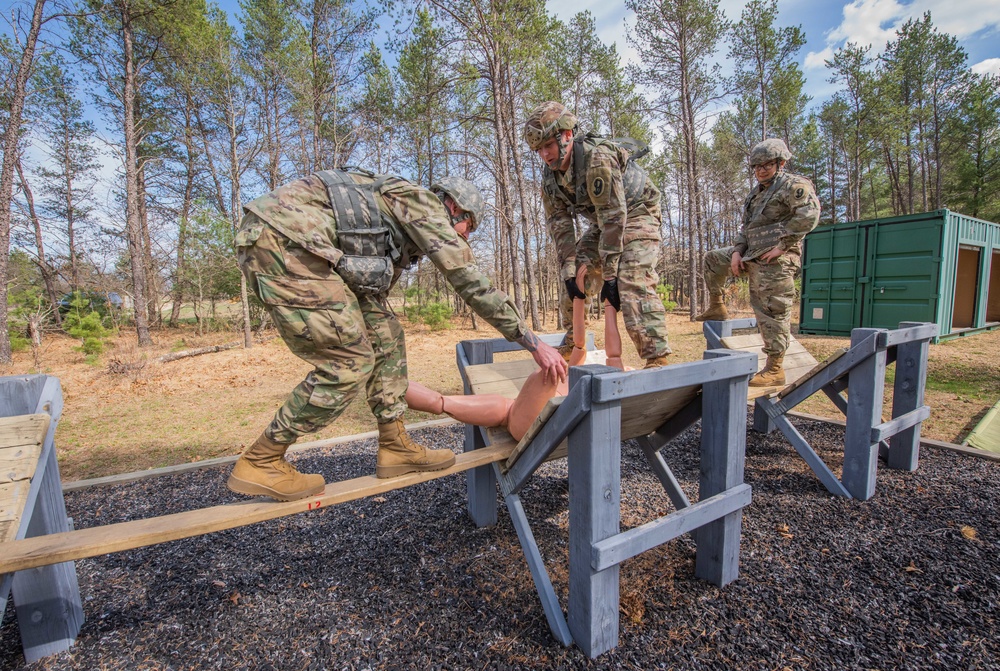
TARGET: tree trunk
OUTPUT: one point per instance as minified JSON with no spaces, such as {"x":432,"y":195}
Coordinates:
{"x":43,"y":264}
{"x":11,"y":136}
{"x":505,"y":210}
{"x":529,"y":267}
{"x":133,"y":222}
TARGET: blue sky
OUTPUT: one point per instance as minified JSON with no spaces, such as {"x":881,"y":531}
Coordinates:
{"x":829,"y":25}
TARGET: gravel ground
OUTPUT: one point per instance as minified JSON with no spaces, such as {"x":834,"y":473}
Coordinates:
{"x":907,"y":580}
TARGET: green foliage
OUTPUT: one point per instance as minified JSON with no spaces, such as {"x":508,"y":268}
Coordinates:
{"x":663,"y":291}
{"x":427,"y":309}
{"x":87,"y":325}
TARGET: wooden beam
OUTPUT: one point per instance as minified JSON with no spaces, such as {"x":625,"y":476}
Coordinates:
{"x":818,"y":466}
{"x":612,"y":551}
{"x":536,"y":564}
{"x":594,"y":467}
{"x":617,"y":386}
{"x":94,"y":541}
{"x":887,"y":430}
{"x":908,"y":394}
{"x":910,"y":333}
{"x":865,"y":396}
{"x":859,"y":352}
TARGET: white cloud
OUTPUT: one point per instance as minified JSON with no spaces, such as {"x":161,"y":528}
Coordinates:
{"x":990,"y":65}
{"x":959,"y":18}
{"x":875,"y":22}
{"x":816,"y":60}
{"x":867,"y":22}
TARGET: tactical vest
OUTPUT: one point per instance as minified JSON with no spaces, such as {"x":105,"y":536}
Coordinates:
{"x":372,"y":242}
{"x":761,"y":239}
{"x":633,"y":176}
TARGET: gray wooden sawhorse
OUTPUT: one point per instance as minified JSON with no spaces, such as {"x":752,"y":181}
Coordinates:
{"x":859,"y":370}
{"x":603,"y":407}
{"x":47,"y":599}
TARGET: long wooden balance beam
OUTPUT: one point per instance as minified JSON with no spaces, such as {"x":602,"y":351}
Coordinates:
{"x":94,"y":541}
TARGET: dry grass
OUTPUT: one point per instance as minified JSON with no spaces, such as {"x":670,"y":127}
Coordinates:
{"x":130,"y":412}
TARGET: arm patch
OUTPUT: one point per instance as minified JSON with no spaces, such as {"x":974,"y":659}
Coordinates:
{"x":799,"y":192}
{"x":599,"y":185}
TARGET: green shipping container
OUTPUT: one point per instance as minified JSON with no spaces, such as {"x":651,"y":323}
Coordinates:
{"x":940,"y":267}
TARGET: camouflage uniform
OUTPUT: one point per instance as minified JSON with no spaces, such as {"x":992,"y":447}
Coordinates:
{"x":623,"y":240}
{"x":287,"y":249}
{"x":778,"y":214}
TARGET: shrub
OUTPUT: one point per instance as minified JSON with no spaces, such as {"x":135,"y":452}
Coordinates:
{"x":87,"y":325}
{"x":663,"y":291}
{"x":436,"y":315}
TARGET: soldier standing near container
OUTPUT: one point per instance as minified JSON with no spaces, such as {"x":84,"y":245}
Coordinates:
{"x":776,"y":216}
{"x":321,"y":253}
{"x":595,"y":178}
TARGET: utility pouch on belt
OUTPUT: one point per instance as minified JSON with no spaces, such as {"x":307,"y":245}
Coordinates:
{"x":363,"y":236}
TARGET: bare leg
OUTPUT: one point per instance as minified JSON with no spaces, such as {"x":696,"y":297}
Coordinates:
{"x":579,"y":332}
{"x":612,"y":337}
{"x":533,"y":396}
{"x":490,"y":409}
{"x":484,"y":410}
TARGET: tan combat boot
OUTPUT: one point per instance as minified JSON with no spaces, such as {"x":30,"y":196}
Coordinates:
{"x":772,"y":375}
{"x":263,"y":471}
{"x":398,"y":454}
{"x":716,"y":311}
{"x":566,"y":350}
{"x":656,"y":362}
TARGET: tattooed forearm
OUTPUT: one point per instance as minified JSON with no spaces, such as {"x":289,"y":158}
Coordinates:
{"x":529,"y":341}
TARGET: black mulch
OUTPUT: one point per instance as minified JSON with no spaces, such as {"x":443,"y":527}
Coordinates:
{"x":908,"y":580}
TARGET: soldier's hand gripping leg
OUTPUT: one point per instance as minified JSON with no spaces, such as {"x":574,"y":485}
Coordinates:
{"x":398,"y":454}
{"x":263,"y":471}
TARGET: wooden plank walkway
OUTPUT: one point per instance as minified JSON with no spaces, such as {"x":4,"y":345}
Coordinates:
{"x":21,"y":439}
{"x":91,"y":542}
{"x":798,"y":361}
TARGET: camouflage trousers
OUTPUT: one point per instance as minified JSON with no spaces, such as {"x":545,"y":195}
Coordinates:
{"x":352,"y":341}
{"x":772,"y":292}
{"x":642,"y":310}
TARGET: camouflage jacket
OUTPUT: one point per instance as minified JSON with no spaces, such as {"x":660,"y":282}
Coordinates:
{"x":300,"y":210}
{"x":615,"y":221}
{"x":779,"y":215}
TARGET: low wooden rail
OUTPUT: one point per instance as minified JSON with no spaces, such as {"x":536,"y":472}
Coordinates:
{"x":94,"y":541}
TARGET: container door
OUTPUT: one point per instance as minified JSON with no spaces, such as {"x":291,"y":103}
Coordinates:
{"x":904,"y":267}
{"x":993,"y":292}
{"x":830,"y":290}
{"x":966,"y":287}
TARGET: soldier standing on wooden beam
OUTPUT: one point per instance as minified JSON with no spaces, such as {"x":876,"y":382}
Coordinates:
{"x":321,"y":253}
{"x":596,"y":178}
{"x":776,"y":216}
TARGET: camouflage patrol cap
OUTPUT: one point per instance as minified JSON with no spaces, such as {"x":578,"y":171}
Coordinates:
{"x":465,"y":194}
{"x":545,"y":122}
{"x":769,"y":150}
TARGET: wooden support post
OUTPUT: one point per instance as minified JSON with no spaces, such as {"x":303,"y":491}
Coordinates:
{"x":595,"y":514}
{"x":723,"y":445}
{"x":864,"y":410}
{"x":908,"y":395}
{"x":481,"y":483}
{"x":47,"y":599}
{"x":761,"y":420}
{"x":536,"y":564}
